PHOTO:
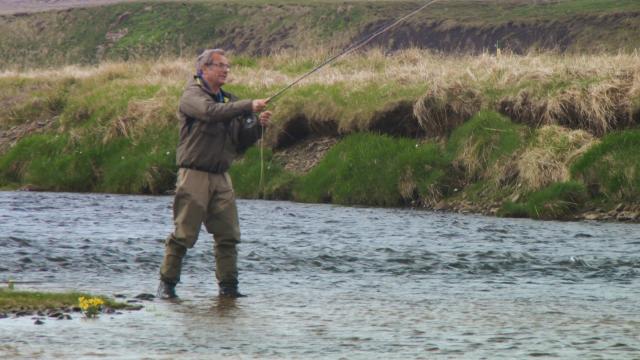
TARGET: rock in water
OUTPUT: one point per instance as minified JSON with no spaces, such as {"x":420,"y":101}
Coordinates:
{"x":145,"y":296}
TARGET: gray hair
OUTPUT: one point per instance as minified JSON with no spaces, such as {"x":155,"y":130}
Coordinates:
{"x":205,"y":59}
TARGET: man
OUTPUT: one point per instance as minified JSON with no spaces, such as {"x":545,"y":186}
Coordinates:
{"x":214,"y":128}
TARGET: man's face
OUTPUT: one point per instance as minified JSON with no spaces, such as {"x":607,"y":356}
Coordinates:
{"x":216,"y":73}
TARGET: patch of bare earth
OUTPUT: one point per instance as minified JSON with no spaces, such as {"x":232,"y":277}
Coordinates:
{"x":303,"y":156}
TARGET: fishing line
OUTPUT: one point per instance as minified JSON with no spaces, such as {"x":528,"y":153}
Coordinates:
{"x":351,"y":49}
{"x":348,"y":50}
{"x":260,"y":184}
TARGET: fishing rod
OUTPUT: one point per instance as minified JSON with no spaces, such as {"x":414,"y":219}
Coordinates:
{"x":350,"y":49}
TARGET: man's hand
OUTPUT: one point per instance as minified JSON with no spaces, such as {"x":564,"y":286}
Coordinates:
{"x":264,"y":118}
{"x":259,"y":105}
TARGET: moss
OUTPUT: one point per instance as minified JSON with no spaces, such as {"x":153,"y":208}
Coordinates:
{"x":611,"y":169}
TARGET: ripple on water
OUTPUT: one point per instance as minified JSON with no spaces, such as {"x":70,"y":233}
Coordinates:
{"x":331,"y":282}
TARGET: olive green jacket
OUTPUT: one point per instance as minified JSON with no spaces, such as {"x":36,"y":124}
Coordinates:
{"x":212,"y":134}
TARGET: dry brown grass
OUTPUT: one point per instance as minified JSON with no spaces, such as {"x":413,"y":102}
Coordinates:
{"x":441,"y":109}
{"x":409,"y":66}
{"x":591,"y":93}
{"x":141,"y":115}
{"x":597,"y":93}
{"x":472,"y":159}
{"x":547,"y":158}
{"x":407,"y":186}
{"x":598,"y":109}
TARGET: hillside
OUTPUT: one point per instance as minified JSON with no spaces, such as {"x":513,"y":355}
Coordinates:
{"x":147,"y":30}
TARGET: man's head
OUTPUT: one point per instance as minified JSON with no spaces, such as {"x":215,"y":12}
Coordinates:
{"x":214,"y":67}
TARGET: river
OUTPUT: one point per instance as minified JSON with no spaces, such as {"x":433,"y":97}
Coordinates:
{"x":325,"y":281}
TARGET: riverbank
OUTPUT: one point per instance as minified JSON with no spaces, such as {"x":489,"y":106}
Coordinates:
{"x":542,"y":136}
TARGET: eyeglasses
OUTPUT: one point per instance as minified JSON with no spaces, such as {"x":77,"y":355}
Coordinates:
{"x":221,"y":65}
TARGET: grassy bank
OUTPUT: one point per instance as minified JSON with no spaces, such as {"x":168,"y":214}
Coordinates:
{"x":516,"y":135}
{"x":148,"y":30}
{"x":14,"y":300}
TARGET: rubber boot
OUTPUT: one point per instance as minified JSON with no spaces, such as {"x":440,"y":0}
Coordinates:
{"x":229,"y":291}
{"x":167,"y":290}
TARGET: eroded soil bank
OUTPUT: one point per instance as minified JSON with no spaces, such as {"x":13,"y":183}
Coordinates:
{"x":305,"y":155}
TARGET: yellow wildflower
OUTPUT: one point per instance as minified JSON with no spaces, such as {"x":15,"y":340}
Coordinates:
{"x":90,"y":306}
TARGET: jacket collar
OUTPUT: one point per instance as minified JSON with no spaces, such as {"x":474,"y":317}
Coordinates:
{"x":222,"y":96}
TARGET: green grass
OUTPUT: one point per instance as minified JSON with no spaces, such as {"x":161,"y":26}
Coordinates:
{"x":32,"y":161}
{"x":483,"y":140}
{"x":493,"y":90}
{"x":26,"y":100}
{"x":611,"y":169}
{"x":574,"y":7}
{"x":558,"y":201}
{"x":156,"y":29}
{"x":114,"y":134}
{"x":96,"y":102}
{"x":59,"y":163}
{"x":147,"y":166}
{"x":244,"y":61}
{"x":351,"y":107}
{"x":246,"y":176}
{"x":370,"y":169}
{"x":148,"y":30}
{"x":115,"y":130}
{"x":33,"y":300}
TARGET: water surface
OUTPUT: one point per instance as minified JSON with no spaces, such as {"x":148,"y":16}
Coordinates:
{"x":326,"y":282}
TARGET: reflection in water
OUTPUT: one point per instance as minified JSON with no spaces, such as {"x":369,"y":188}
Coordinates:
{"x":326,"y":282}
{"x":224,"y":307}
